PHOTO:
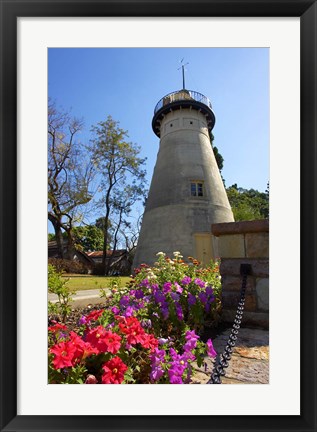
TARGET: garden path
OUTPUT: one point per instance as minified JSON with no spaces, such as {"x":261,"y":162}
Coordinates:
{"x":80,"y":298}
{"x":249,"y":363}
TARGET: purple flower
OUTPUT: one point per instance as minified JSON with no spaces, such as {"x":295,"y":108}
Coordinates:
{"x":156,"y":373}
{"x":190,"y":334}
{"x":191,"y":299}
{"x":200,"y":283}
{"x":157,"y":360}
{"x":154,"y":288}
{"x":175,"y":296}
{"x":146,"y":323}
{"x":139,"y":305}
{"x":124,"y":301}
{"x":139,"y":294}
{"x":162,"y":341}
{"x":177,"y":368}
{"x":202,"y":297}
{"x":132,"y":293}
{"x":159,"y":297}
{"x":165,"y":311}
{"x":207,"y":307}
{"x":190,"y":345}
{"x":191,"y":340}
{"x":175,"y":375}
{"x":188,"y":355}
{"x":210,"y":349}
{"x":209,"y":291}
{"x":145,"y":283}
{"x":179,"y":289}
{"x":82,"y":321}
{"x":115,"y":310}
{"x":129,"y":311}
{"x":186,"y":280}
{"x":167,"y":287}
{"x":179,"y":312}
{"x":157,"y":356}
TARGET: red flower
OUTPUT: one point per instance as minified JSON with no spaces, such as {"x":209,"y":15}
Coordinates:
{"x":94,"y":315}
{"x":131,"y":327}
{"x":114,"y":370}
{"x":149,"y":341}
{"x":57,"y":327}
{"x":63,"y":354}
{"x":103,"y":340}
{"x":83,"y":349}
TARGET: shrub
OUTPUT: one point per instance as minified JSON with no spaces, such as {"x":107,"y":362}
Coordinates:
{"x":57,"y":285}
{"x":68,"y":266}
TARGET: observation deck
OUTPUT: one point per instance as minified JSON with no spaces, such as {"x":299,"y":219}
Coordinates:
{"x":183,"y":99}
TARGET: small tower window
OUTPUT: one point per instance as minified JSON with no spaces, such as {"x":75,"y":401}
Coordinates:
{"x":196,"y":189}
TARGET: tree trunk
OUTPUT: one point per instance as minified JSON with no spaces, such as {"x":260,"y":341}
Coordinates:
{"x":70,"y":246}
{"x":58,"y":234}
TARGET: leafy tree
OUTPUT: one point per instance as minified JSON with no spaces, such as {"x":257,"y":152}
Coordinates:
{"x":121,"y":178}
{"x":248,"y":204}
{"x":51,"y":237}
{"x":69,"y":175}
{"x":88,"y":238}
{"x":219,"y":158}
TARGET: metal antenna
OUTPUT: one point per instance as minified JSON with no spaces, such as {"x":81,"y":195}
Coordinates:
{"x":183,"y":70}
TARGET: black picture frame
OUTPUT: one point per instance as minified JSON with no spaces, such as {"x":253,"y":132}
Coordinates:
{"x":10,"y":11}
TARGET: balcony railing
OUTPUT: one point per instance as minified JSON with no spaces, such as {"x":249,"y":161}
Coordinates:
{"x":182,"y":95}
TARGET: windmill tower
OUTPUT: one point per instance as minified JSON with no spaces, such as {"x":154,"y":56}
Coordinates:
{"x":187,"y":194}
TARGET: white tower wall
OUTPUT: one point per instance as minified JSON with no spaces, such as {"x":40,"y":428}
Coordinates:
{"x":173,"y":217}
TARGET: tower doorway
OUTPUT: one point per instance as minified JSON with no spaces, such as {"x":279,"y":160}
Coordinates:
{"x":203,"y":247}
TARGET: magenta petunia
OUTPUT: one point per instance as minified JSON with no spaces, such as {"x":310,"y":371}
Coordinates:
{"x":211,"y":352}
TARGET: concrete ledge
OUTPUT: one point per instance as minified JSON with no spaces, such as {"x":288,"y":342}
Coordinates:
{"x":255,"y":226}
{"x":260,"y":267}
{"x":253,"y":319}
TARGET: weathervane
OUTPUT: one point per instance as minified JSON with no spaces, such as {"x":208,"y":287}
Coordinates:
{"x":183,"y":70}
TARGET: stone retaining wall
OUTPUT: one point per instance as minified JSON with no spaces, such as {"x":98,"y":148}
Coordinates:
{"x":244,"y":243}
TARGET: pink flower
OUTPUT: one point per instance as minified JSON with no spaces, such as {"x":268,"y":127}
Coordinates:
{"x":91,"y":379}
{"x":210,"y":349}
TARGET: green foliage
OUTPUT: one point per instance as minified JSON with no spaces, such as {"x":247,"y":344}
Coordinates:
{"x":113,"y":283}
{"x":57,"y":285}
{"x":219,"y":158}
{"x":248,"y":204}
{"x":88,"y":238}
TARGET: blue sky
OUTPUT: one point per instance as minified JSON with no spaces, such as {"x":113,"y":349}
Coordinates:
{"x":126,"y":83}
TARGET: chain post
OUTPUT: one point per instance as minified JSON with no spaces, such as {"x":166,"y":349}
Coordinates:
{"x":225,"y":357}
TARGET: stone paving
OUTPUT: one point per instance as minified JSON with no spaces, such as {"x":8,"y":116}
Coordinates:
{"x":249,"y":363}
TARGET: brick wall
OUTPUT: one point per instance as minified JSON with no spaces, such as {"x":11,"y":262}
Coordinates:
{"x":244,"y":243}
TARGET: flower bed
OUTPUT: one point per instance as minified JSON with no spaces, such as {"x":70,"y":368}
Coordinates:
{"x":148,"y":332}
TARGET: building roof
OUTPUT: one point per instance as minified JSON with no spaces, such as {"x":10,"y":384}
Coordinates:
{"x":99,"y":254}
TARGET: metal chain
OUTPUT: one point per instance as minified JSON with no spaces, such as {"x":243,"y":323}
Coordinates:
{"x":223,"y":363}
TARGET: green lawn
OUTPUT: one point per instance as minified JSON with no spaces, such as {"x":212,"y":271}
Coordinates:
{"x":86,"y":282}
